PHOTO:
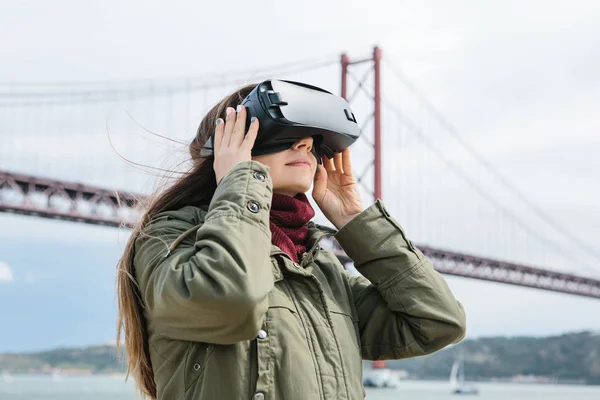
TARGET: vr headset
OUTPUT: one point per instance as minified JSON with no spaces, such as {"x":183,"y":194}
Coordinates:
{"x":289,"y":111}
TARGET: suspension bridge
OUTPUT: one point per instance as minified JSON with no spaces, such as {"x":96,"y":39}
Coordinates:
{"x":86,"y":152}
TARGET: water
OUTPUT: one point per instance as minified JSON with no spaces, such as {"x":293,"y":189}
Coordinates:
{"x":28,"y":387}
{"x":422,"y":390}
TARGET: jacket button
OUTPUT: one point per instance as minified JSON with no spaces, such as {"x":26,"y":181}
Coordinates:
{"x":253,"y":206}
{"x":196,"y":367}
{"x":259,"y":396}
{"x":262,"y":334}
{"x":260,"y":176}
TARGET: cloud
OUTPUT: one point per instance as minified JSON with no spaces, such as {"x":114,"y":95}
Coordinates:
{"x":5,"y":273}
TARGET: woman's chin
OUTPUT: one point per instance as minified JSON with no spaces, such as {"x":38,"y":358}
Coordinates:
{"x":303,"y":188}
{"x":297,"y":187}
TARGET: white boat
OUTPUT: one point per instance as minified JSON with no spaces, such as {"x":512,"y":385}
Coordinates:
{"x":380,"y":378}
{"x":7,"y":377}
{"x":457,"y":379}
{"x":56,"y":374}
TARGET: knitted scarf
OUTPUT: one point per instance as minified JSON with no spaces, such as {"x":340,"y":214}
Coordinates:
{"x":288,"y":220}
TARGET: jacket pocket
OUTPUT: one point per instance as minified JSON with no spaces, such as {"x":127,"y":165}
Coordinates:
{"x":347,"y":332}
{"x":345,"y":324}
{"x":278,"y":300}
{"x":195,"y":362}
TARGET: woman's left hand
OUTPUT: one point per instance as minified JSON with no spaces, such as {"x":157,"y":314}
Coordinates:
{"x":335,"y":190}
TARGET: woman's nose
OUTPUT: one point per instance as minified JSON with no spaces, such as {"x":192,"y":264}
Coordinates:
{"x":307,"y":141}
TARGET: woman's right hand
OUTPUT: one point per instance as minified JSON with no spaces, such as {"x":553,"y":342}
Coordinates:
{"x":231,"y":145}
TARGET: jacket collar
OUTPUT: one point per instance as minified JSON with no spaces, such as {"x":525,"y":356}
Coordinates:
{"x":316,"y":233}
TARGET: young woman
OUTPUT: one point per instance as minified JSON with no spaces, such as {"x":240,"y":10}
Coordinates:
{"x":225,"y":294}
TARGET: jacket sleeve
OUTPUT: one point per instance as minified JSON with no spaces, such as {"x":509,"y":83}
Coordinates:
{"x":405,"y":308}
{"x":214,"y":288}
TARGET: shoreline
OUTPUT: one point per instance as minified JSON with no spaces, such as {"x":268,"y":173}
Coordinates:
{"x":60,"y":374}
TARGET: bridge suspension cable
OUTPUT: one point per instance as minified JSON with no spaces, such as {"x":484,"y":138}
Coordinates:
{"x":543,"y":215}
{"x":478,"y":188}
{"x":10,"y":96}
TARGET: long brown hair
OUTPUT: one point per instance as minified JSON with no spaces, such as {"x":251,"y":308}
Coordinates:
{"x":194,"y":187}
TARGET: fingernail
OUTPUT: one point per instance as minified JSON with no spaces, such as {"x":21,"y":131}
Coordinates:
{"x":317,"y":168}
{"x":218,"y":121}
{"x":229,"y":110}
{"x":252,"y":119}
{"x":239,"y":108}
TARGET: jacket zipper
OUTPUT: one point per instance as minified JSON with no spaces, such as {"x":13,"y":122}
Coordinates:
{"x":307,"y":336}
{"x":253,"y":367}
{"x":314,"y":250}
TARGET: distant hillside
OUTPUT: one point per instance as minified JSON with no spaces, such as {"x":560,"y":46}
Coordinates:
{"x":97,"y":359}
{"x":573,"y":356}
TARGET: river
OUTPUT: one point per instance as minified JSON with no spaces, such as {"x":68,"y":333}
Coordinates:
{"x":32,"y":387}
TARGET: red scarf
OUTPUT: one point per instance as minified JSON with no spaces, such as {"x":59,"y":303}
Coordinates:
{"x":289,"y":219}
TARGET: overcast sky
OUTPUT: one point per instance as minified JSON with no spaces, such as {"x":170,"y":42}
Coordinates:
{"x":519,"y":80}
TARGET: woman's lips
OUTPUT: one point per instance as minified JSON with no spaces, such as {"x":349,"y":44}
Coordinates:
{"x":299,"y":164}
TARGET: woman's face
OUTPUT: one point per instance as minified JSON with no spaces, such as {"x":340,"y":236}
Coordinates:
{"x":293,"y":170}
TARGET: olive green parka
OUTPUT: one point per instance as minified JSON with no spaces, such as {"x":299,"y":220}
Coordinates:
{"x":230,"y":316}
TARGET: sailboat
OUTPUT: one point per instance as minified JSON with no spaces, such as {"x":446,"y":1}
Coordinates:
{"x":457,"y":379}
